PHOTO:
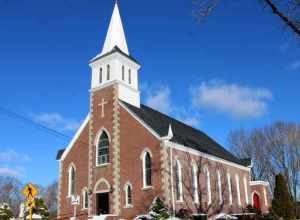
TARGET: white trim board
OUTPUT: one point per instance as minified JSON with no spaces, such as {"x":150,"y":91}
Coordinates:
{"x":76,"y":136}
{"x":206,"y":156}
{"x":256,"y":183}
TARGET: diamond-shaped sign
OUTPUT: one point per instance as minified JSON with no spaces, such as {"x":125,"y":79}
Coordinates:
{"x":30,"y":191}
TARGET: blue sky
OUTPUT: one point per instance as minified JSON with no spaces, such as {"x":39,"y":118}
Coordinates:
{"x":241,"y":68}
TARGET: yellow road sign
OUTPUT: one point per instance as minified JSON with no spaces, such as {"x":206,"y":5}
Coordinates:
{"x":30,"y":191}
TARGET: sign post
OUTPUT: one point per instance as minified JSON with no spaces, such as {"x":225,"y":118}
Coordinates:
{"x":75,"y":201}
{"x":30,"y":191}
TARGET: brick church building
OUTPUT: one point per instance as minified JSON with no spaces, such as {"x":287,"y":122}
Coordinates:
{"x":125,"y":154}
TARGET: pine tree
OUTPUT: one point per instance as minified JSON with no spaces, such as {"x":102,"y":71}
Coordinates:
{"x":5,"y":212}
{"x":40,"y":209}
{"x":158,"y":210}
{"x":282,"y":203}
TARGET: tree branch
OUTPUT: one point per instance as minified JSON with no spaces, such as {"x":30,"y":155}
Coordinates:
{"x":284,"y":18}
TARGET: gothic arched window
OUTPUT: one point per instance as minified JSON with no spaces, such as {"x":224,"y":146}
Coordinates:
{"x":128,"y":195}
{"x":207,"y":173}
{"x":147,"y":172}
{"x":103,"y":149}
{"x":85,"y":198}
{"x":71,"y":181}
{"x":108,"y":72}
{"x":178,"y":179}
{"x":123,"y":73}
{"x":195,"y":195}
{"x":100,"y":75}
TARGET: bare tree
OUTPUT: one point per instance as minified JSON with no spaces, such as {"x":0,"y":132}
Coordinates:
{"x":50,"y":197}
{"x":10,"y":188}
{"x":273,"y":149}
{"x":202,"y":206}
{"x":287,"y":11}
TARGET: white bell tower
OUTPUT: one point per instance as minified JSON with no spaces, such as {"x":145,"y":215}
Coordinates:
{"x":115,"y":65}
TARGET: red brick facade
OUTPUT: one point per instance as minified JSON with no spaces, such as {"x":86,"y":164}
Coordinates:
{"x":128,"y":139}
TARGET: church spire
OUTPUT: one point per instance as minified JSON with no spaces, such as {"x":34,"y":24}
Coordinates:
{"x":115,"y":35}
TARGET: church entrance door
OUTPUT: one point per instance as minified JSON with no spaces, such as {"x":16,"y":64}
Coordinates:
{"x":102,"y":203}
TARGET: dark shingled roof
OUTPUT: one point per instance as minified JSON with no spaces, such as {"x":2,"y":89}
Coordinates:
{"x":116,"y":49}
{"x":184,"y":134}
{"x":59,"y":154}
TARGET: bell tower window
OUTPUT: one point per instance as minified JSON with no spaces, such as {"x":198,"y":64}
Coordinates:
{"x":108,"y":72}
{"x":100,"y":75}
{"x":123,"y":73}
{"x":129,"y":76}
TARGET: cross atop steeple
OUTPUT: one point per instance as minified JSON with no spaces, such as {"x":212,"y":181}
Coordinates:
{"x":115,"y":35}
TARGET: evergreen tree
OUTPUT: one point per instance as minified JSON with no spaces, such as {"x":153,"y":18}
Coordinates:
{"x":282,"y":203}
{"x":5,"y":212}
{"x":158,"y":210}
{"x":40,"y":209}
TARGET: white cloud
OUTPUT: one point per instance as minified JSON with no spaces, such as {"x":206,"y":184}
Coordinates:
{"x":159,"y":99}
{"x":4,"y":171}
{"x":12,"y":156}
{"x":235,"y":100}
{"x":56,"y":120}
{"x":295,"y":65}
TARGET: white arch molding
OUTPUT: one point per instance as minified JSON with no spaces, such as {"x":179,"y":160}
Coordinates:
{"x":143,"y":158}
{"x":108,"y":186}
{"x":98,"y":135}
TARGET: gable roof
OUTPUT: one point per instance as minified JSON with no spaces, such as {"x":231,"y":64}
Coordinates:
{"x":116,"y":49}
{"x":183,"y":134}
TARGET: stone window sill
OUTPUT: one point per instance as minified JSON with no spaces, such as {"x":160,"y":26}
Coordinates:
{"x":147,"y":188}
{"x":128,"y":206}
{"x":102,"y":165}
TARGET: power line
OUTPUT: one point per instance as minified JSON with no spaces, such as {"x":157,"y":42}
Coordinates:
{"x":39,"y":126}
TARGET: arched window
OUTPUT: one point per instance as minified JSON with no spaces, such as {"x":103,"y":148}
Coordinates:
{"x":100,"y":75}
{"x":123,"y":73}
{"x":195,"y":184}
{"x":229,"y":188}
{"x":178,"y":179}
{"x":71,"y":178}
{"x":219,"y":187}
{"x":147,"y":172}
{"x":108,"y":72}
{"x":128,"y":195}
{"x":129,"y":76}
{"x":237,"y":181}
{"x":85,"y":198}
{"x":208,"y":185}
{"x":103,"y":149}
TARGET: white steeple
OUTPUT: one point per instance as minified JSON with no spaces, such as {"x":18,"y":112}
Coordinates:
{"x":115,"y":35}
{"x":115,"y":65}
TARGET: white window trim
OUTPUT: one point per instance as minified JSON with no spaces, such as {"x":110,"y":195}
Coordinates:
{"x":196,"y":196}
{"x":229,"y":188}
{"x":145,"y":186}
{"x":237,"y":180}
{"x":70,"y":179}
{"x":84,"y":194}
{"x":127,"y":205}
{"x":246,"y":190}
{"x":98,"y":136}
{"x":209,"y":200}
{"x":178,"y":164}
{"x":220,"y":187}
